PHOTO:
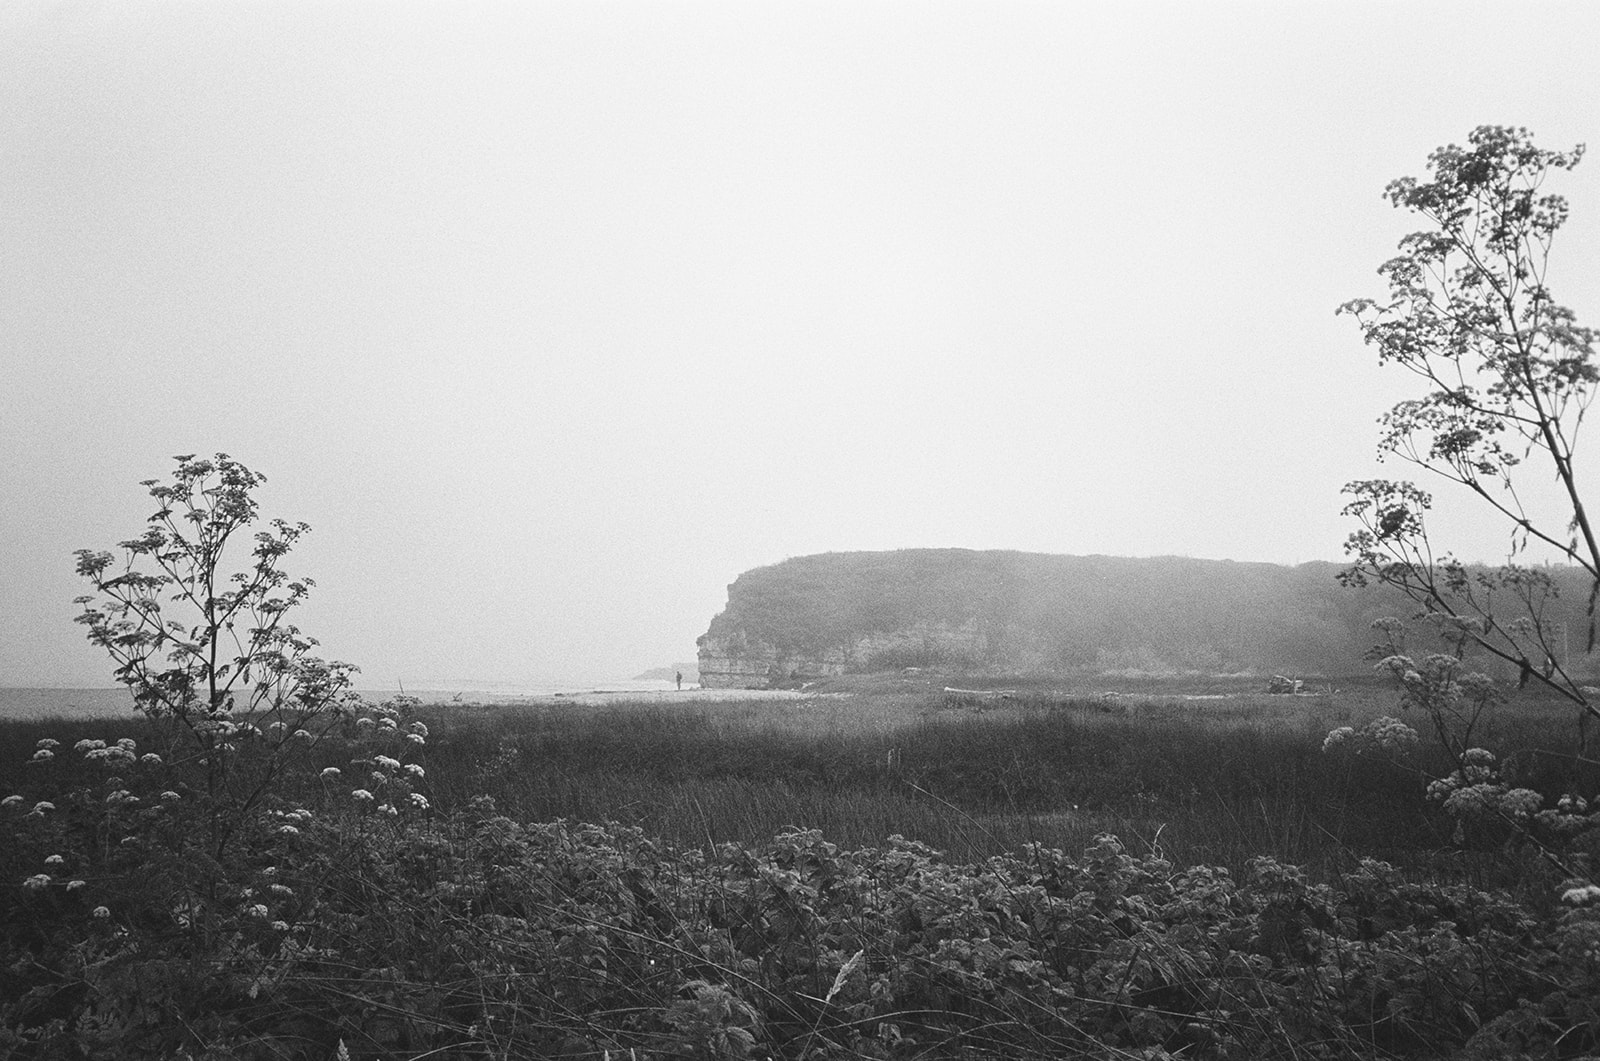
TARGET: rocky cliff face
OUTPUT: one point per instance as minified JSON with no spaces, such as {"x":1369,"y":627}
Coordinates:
{"x":737,"y":661}
{"x":966,"y":611}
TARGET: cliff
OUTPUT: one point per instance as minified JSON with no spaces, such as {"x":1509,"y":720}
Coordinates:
{"x":1002,"y":612}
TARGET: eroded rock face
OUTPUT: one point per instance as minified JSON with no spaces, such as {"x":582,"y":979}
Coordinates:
{"x":741,"y":662}
{"x":738,"y":663}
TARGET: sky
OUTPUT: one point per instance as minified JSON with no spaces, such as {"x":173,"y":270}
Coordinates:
{"x":553,"y":318}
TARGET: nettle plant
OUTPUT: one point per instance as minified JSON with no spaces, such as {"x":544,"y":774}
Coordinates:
{"x":1508,"y":374}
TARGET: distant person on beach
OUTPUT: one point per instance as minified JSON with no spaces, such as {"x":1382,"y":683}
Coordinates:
{"x":680,"y":681}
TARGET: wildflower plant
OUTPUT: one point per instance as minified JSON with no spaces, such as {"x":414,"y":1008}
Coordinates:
{"x":207,"y":647}
{"x":1506,"y":376}
{"x":1478,"y":790}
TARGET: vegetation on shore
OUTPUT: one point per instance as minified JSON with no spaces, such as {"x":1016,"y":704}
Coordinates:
{"x":889,"y":874}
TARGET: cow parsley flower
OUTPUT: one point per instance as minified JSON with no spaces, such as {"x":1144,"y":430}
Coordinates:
{"x":330,"y":773}
{"x":1472,"y":800}
{"x":361,"y":795}
{"x":1392,"y":735}
{"x":1582,"y":895}
{"x":102,"y":912}
{"x":37,"y":881}
{"x":1521,"y":802}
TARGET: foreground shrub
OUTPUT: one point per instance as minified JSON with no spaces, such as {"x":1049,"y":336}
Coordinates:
{"x":480,"y":936}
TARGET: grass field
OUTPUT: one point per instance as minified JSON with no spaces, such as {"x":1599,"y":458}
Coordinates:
{"x":1211,"y":772}
{"x":720,"y":878}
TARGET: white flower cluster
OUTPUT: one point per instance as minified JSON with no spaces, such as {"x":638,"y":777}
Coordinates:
{"x":1476,"y":790}
{"x":1571,"y":814}
{"x":1385,"y":734}
{"x":1582,"y":895}
{"x":123,"y":751}
{"x":1436,"y":684}
{"x":1479,"y":764}
{"x":1391,"y":734}
{"x":290,"y":821}
{"x":379,"y":778}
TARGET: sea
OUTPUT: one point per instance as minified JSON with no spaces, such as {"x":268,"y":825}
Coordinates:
{"x":102,"y":703}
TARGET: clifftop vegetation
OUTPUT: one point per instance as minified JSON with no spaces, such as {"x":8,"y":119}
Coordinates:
{"x":1042,"y":612}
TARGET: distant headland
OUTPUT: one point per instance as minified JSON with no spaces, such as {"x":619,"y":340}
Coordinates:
{"x":1004,"y":612}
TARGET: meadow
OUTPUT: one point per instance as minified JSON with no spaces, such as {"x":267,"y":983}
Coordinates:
{"x":884,"y":869}
{"x":1203,"y":771}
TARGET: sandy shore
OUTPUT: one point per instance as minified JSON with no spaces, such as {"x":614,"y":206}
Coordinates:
{"x":603,"y":697}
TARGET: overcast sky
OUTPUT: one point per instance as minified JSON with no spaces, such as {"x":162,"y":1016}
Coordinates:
{"x":551,"y":319}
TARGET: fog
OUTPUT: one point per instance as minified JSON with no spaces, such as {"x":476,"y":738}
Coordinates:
{"x":551,"y":319}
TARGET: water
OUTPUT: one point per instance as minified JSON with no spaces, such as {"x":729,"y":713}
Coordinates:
{"x":100,"y":703}
{"x":65,"y":703}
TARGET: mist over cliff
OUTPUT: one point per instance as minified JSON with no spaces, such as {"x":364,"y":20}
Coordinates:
{"x":1007,"y":612}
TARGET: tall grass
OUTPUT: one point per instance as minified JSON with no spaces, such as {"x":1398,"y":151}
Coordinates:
{"x":1202,"y":781}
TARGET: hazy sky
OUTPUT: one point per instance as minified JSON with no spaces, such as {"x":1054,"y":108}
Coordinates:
{"x":551,"y":319}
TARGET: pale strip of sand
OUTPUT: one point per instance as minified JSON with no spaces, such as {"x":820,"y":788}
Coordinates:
{"x":661,"y":697}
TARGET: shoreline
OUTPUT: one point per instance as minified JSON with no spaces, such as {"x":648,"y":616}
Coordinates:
{"x":607,"y":697}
